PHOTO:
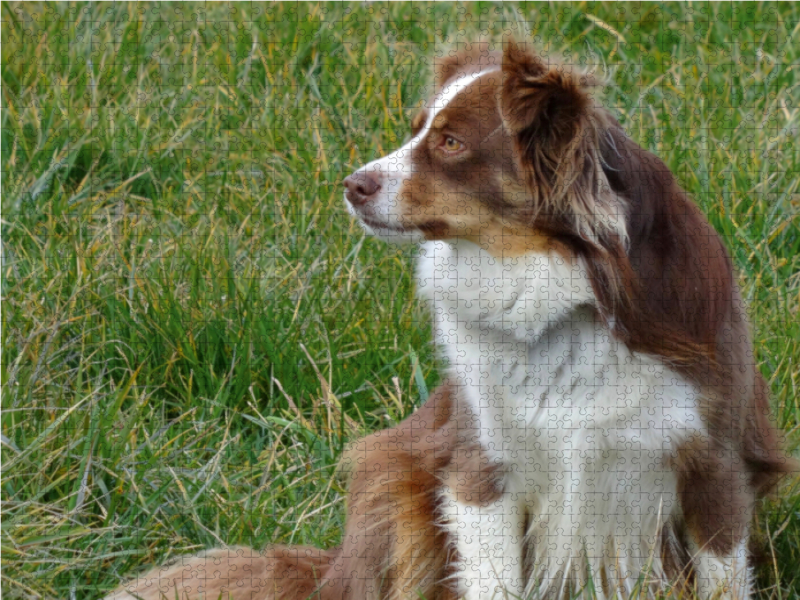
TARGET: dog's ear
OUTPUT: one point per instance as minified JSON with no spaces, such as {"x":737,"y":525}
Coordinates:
{"x":542,"y":106}
{"x":464,"y":59}
{"x":556,"y":131}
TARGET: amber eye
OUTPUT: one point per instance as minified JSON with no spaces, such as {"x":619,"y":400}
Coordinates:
{"x":452,"y":145}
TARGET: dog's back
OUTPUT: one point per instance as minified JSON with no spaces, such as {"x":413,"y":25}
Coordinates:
{"x":392,"y":546}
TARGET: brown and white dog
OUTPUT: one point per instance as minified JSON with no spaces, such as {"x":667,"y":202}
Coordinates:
{"x":595,"y":333}
{"x":603,"y":427}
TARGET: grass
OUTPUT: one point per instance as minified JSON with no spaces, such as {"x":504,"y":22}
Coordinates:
{"x":192,"y":326}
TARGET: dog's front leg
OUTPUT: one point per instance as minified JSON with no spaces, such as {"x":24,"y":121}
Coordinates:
{"x":487,"y":530}
{"x":717,"y":501}
{"x":723,"y":577}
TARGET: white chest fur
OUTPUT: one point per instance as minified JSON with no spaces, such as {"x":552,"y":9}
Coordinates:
{"x":581,"y":425}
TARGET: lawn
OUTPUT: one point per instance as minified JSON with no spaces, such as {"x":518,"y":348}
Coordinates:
{"x":192,"y":326}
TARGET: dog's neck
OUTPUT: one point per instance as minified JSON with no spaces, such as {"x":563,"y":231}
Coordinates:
{"x":500,"y":299}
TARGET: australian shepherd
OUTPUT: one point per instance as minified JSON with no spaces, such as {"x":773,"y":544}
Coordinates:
{"x":602,"y":429}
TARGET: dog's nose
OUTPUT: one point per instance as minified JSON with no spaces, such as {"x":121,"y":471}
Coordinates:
{"x":361,"y":187}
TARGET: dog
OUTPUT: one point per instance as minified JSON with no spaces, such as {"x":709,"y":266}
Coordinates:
{"x":592,"y":322}
{"x":602,"y":428}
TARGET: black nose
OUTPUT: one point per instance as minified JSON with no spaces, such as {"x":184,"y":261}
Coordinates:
{"x":361,"y":187}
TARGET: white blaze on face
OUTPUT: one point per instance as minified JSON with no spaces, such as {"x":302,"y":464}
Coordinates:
{"x":398,"y":166}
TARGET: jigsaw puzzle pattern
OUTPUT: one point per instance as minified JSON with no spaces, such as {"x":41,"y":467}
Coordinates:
{"x":205,"y":351}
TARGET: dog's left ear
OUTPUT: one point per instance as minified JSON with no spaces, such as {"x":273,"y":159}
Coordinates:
{"x":542,"y":106}
{"x":556,"y":131}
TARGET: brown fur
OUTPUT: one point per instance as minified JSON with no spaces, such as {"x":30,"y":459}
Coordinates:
{"x":715,"y":497}
{"x":468,"y":58}
{"x":236,"y":573}
{"x":392,"y":547}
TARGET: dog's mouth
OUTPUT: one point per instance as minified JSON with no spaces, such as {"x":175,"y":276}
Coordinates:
{"x":376,"y":224}
{"x":392,"y":232}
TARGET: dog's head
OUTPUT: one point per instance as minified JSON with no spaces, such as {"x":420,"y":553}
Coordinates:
{"x":513,"y":153}
{"x":506,"y":150}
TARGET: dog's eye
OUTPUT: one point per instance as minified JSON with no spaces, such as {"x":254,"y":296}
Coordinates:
{"x":451,"y":144}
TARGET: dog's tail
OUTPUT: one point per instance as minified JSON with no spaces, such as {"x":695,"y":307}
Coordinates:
{"x":235,"y":573}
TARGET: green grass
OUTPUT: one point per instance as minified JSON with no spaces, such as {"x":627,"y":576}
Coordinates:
{"x":192,"y":326}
